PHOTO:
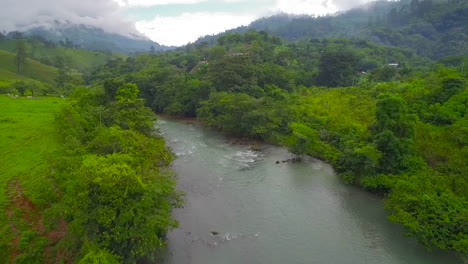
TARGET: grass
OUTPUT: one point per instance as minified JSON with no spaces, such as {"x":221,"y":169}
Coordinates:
{"x":77,"y":58}
{"x":32,"y":69}
{"x":28,"y":138}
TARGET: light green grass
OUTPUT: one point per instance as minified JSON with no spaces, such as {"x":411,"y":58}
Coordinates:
{"x":27,"y":137}
{"x":7,"y":77}
{"x":28,"y":141}
{"x":76,"y":58}
{"x":32,"y":69}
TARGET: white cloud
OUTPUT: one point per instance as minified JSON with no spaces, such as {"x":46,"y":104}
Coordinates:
{"x":23,"y":14}
{"x":188,"y":27}
{"x":309,"y":7}
{"x":156,"y":2}
{"x":174,"y":30}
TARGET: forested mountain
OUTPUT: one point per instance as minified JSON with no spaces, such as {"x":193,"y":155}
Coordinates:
{"x":433,"y":29}
{"x":90,"y":38}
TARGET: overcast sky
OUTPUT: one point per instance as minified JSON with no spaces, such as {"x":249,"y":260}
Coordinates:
{"x":168,"y":22}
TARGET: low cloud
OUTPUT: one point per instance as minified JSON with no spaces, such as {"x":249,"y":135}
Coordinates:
{"x":156,"y":2}
{"x":23,"y":14}
{"x":177,"y":29}
{"x":188,"y":27}
{"x":310,"y":7}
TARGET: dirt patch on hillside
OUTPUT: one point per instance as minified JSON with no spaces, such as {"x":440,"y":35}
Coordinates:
{"x":30,"y":214}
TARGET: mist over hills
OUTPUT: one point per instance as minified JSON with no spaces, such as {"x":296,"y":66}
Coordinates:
{"x":91,"y":38}
{"x":433,"y":29}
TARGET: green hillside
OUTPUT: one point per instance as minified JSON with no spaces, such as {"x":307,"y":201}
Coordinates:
{"x":48,"y":53}
{"x":32,"y":70}
{"x":431,"y":28}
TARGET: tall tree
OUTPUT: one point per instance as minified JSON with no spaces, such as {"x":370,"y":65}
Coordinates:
{"x":337,"y":68}
{"x":394,"y":133}
{"x":63,"y":76}
{"x":20,"y":58}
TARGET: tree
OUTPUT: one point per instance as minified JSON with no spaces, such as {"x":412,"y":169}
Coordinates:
{"x":129,"y":112}
{"x":95,"y":255}
{"x":216,"y":53}
{"x":394,"y":133}
{"x":233,"y":74}
{"x":384,"y":74}
{"x":20,"y":58}
{"x":110,"y":89}
{"x":337,"y":68}
{"x":121,"y":207}
{"x":152,"y":49}
{"x":62,"y":76}
{"x":21,"y":87}
{"x":414,"y":6}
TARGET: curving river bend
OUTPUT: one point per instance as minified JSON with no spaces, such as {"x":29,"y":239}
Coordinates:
{"x":242,"y":207}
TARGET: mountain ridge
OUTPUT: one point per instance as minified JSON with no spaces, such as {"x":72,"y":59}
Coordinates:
{"x":433,"y":29}
{"x":90,"y":38}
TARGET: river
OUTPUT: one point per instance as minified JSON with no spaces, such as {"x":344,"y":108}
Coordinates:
{"x":242,"y":207}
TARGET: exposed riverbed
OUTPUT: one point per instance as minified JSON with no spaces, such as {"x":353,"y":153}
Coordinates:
{"x":242,"y":207}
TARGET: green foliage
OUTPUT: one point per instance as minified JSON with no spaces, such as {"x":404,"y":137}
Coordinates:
{"x":30,"y":70}
{"x":238,"y":114}
{"x":21,"y":55}
{"x":306,"y":140}
{"x":337,"y":68}
{"x":384,"y":74}
{"x":398,"y":131}
{"x":32,"y":246}
{"x":50,"y":54}
{"x":394,"y":132}
{"x":433,"y":29}
{"x":119,"y":192}
{"x":360,"y":159}
{"x":436,"y":216}
{"x":129,"y":112}
{"x":95,"y":255}
{"x":120,"y":208}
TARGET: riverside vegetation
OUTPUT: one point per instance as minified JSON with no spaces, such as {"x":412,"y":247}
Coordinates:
{"x":94,"y":186}
{"x":98,"y":192}
{"x":399,"y":131}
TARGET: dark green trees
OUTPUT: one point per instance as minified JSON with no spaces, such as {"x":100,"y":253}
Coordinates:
{"x":119,"y":190}
{"x":337,"y":68}
{"x":232,"y":73}
{"x":393,"y":133}
{"x":63,"y":76}
{"x":20,"y":58}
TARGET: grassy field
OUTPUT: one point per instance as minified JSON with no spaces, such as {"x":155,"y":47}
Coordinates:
{"x":32,"y":69}
{"x":28,"y":139}
{"x":77,"y":58}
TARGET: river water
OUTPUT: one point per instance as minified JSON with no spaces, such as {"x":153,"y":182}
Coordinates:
{"x":242,"y":207}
